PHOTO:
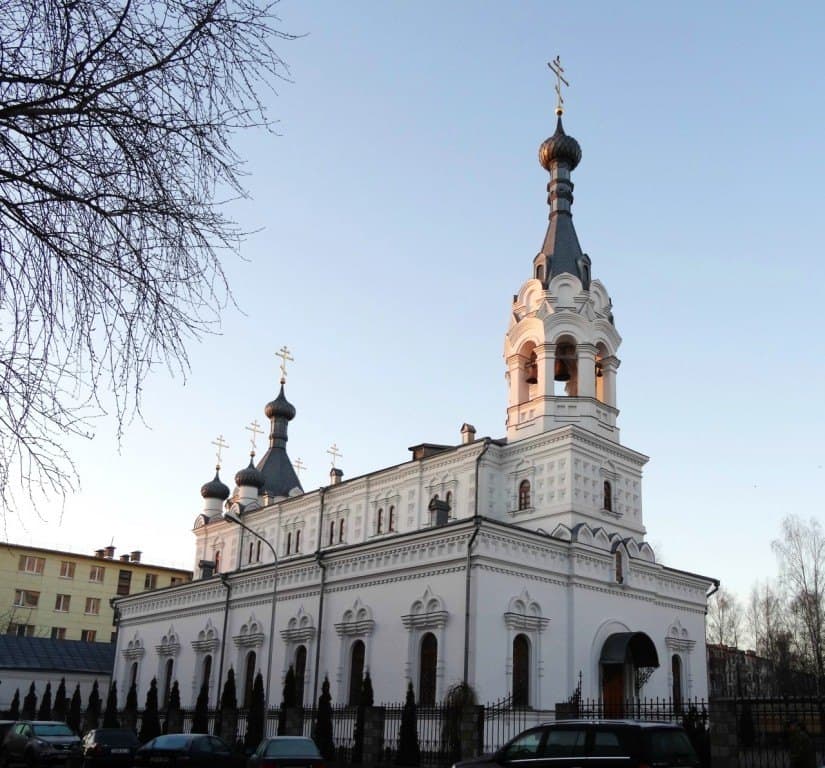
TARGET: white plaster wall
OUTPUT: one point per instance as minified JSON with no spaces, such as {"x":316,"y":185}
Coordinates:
{"x":14,"y":679}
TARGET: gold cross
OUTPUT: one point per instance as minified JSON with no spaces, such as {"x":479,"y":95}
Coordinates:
{"x":299,"y":465}
{"x":335,"y":453}
{"x":256,"y":430}
{"x":221,"y":443}
{"x":285,"y":355}
{"x":558,"y":70}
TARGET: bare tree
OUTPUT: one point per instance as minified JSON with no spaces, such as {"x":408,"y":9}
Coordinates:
{"x":765,"y":619}
{"x":724,"y":620}
{"x":116,"y":126}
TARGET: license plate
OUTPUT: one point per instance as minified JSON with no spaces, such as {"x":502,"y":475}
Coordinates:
{"x":126,"y":752}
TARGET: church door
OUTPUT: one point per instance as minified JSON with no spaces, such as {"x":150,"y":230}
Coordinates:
{"x":356,"y":672}
{"x":613,"y":690}
{"x":521,"y":671}
{"x":427,"y":670}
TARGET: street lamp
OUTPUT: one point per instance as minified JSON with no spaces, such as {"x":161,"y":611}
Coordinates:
{"x":233,"y":518}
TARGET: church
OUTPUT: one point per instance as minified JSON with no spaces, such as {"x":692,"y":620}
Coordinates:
{"x":518,"y":564}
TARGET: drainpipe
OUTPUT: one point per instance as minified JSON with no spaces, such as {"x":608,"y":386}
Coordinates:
{"x":319,"y":558}
{"x":470,"y":543}
{"x":713,"y":590}
{"x":225,"y":584}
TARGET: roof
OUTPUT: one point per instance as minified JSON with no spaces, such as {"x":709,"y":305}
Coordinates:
{"x":56,"y":655}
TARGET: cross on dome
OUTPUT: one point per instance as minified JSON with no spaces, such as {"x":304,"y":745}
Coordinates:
{"x":221,"y":444}
{"x":335,"y":453}
{"x":285,"y":356}
{"x":299,"y":465}
{"x":256,"y":430}
{"x":558,"y":70}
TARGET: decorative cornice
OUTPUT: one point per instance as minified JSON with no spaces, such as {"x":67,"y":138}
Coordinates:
{"x":202,"y":646}
{"x":350,"y":628}
{"x":133,"y":654}
{"x":430,"y":620}
{"x":525,"y":622}
{"x":249,"y":640}
{"x":168,"y":649}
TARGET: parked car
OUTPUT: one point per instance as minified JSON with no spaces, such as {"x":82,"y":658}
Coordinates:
{"x":601,"y":743}
{"x":286,"y":752}
{"x":5,"y":726}
{"x":110,"y":747}
{"x":38,"y":743}
{"x":192,"y":750}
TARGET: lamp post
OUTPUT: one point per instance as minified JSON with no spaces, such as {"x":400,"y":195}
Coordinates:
{"x":233,"y":518}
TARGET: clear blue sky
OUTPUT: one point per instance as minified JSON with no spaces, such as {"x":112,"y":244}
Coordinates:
{"x":400,"y":209}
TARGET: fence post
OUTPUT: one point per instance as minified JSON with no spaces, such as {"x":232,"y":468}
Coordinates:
{"x":470,"y":727}
{"x":723,"y":746}
{"x":373,"y":735}
{"x":294,"y":721}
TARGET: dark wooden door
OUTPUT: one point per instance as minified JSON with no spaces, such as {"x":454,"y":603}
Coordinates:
{"x":613,"y":689}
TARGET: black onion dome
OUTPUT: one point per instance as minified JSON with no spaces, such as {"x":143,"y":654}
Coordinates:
{"x":250,"y":476}
{"x":280,"y":407}
{"x":215,"y":489}
{"x":560,"y":148}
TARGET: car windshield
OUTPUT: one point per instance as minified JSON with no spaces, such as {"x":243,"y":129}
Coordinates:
{"x":172,"y":741}
{"x":116,"y":738}
{"x":291,"y":748}
{"x":668,"y":745}
{"x":51,"y":729}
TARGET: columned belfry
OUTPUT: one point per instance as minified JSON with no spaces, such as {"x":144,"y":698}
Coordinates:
{"x":561,"y":345}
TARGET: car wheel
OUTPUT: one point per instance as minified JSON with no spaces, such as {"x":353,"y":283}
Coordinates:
{"x":30,"y":759}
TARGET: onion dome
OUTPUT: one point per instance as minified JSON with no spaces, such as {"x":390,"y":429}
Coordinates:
{"x":250,"y":476}
{"x":280,"y":407}
{"x":215,"y":489}
{"x":560,"y":148}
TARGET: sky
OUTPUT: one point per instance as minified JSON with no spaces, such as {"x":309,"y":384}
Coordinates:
{"x":399,"y":207}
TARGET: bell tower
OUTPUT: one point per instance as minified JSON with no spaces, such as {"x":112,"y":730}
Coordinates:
{"x":561,"y":345}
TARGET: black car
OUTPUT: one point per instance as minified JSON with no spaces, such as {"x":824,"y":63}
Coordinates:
{"x":36,"y":743}
{"x":286,"y":752}
{"x":109,"y":747}
{"x":599,"y":744}
{"x":5,"y":727}
{"x":188,"y":750}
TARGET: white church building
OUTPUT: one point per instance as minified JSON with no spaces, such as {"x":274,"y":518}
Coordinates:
{"x":518,"y":564}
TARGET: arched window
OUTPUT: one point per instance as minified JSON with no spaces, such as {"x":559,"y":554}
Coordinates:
{"x":289,"y":542}
{"x":524,"y":494}
{"x":206,"y":670}
{"x":449,"y":500}
{"x":167,"y":682}
{"x":427,"y":670}
{"x":341,"y":530}
{"x":391,"y":520}
{"x":521,"y":671}
{"x":258,"y":552}
{"x":217,"y":562}
{"x":540,"y":272}
{"x":379,"y":521}
{"x":251,"y":550}
{"x":249,"y":678}
{"x":300,"y":672}
{"x":332,"y":533}
{"x":676,"y":670}
{"x":297,"y":541}
{"x":133,"y":674}
{"x":607,"y":501}
{"x":619,"y":567}
{"x":356,"y":672}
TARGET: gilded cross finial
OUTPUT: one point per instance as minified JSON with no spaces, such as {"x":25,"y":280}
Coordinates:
{"x":285,"y":356}
{"x":221,"y":444}
{"x":558,"y":70}
{"x":335,"y":453}
{"x":299,"y":465}
{"x":256,"y":430}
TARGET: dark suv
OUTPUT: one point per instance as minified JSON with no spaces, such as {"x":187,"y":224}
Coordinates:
{"x":36,"y":743}
{"x":594,"y":744}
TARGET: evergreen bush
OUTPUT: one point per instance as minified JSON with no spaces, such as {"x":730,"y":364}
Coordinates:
{"x":200,"y":720}
{"x":110,"y":719}
{"x":45,"y":710}
{"x":150,"y":722}
{"x":73,"y":718}
{"x":323,"y":725}
{"x":409,"y":751}
{"x":61,"y":704}
{"x":29,"y":704}
{"x":255,"y":716}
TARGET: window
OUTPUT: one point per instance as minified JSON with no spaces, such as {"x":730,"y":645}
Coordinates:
{"x":356,"y":672}
{"x":332,"y":533}
{"x":87,"y":635}
{"x":31,"y":564}
{"x":300,"y":672}
{"x":58,"y":633}
{"x":167,"y":681}
{"x":21,"y":630}
{"x":206,"y":670}
{"x":249,"y":678}
{"x":61,"y":602}
{"x":565,"y":742}
{"x":251,"y":550}
{"x":150,"y":581}
{"x":217,"y":559}
{"x":607,"y":743}
{"x":391,"y":520}
{"x":66,"y":569}
{"x":524,"y":495}
{"x":341,"y":530}
{"x":26,"y":598}
{"x":379,"y":521}
{"x":449,"y":500}
{"x":289,"y":543}
{"x":427,"y":670}
{"x":607,"y":501}
{"x":96,"y":573}
{"x":676,"y":671}
{"x":524,"y":747}
{"x":124,"y":582}
{"x":258,"y":552}
{"x":297,"y":542}
{"x":92,"y":606}
{"x":177,"y":580}
{"x":521,"y":671}
{"x":540,"y":272}
{"x":619,"y":568}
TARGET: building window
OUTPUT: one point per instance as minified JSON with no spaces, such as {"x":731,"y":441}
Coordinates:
{"x":300,"y":672}
{"x":332,"y":533}
{"x":449,"y":500}
{"x":619,"y":568}
{"x":521,"y":671}
{"x":258,"y":552}
{"x":133,"y":673}
{"x":341,"y":530}
{"x":251,"y":550}
{"x":427,"y":670}
{"x":58,"y":633}
{"x":88,"y":635}
{"x":26,"y":598}
{"x":150,"y":581}
{"x":356,"y":672}
{"x":21,"y":630}
{"x":676,"y":671}
{"x":391,"y":520}
{"x":379,"y":522}
{"x":176,"y":580}
{"x":524,"y":495}
{"x":607,"y":501}
{"x":96,"y":573}
{"x":124,"y":582}
{"x":217,"y":560}
{"x":289,"y":543}
{"x":540,"y":272}
{"x":66,"y":569}
{"x":167,"y":682}
{"x":61,"y":602}
{"x":31,"y":564}
{"x":92,"y":606}
{"x":297,"y":541}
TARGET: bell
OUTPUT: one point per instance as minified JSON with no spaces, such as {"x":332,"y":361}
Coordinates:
{"x":532,"y":370}
{"x":560,"y":371}
{"x":599,"y":371}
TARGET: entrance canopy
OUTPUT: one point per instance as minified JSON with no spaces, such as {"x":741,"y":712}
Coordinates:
{"x":636,"y":647}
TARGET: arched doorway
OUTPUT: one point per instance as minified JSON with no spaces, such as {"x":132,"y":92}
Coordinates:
{"x":521,"y":671}
{"x":356,"y":671}
{"x":249,"y":678}
{"x":428,"y":663}
{"x":167,"y":682}
{"x":624,"y":655}
{"x":300,"y":672}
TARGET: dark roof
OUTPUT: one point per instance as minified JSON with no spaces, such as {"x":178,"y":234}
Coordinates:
{"x":56,"y":655}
